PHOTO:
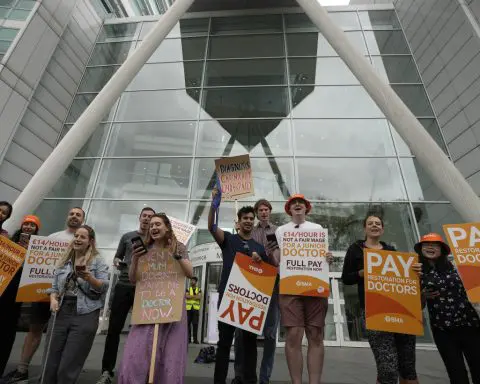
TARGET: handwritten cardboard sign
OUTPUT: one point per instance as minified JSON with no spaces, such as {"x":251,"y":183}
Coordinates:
{"x":39,"y":269}
{"x":303,"y":264}
{"x":235,"y":175}
{"x":11,"y":259}
{"x":392,"y":292}
{"x":464,"y":240}
{"x":183,"y":231}
{"x":247,"y":297}
{"x":159,"y":290}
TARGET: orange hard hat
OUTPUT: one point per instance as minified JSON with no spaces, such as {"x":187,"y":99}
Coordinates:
{"x":294,"y":197}
{"x":432,"y":238}
{"x":32,"y":219}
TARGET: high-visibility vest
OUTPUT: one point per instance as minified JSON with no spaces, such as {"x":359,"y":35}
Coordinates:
{"x":195,"y":303}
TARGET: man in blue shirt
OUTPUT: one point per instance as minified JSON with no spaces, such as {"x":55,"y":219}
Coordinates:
{"x":230,"y":245}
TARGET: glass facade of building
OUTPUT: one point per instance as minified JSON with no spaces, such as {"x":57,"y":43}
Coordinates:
{"x":271,"y":86}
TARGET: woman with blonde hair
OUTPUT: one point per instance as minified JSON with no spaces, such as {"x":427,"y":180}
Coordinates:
{"x":171,"y":349}
{"x":76,"y":296}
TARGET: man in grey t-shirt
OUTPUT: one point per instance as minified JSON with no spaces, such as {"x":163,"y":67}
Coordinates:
{"x":123,"y":296}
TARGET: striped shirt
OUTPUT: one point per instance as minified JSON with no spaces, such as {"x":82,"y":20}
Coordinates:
{"x":259,"y":234}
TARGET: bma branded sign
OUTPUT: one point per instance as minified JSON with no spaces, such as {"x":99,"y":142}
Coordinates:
{"x":11,"y":259}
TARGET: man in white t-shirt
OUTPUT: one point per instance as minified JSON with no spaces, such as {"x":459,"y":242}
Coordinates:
{"x":40,"y":312}
{"x":302,"y":314}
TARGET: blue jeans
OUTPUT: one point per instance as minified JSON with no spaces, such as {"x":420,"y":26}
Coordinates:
{"x":270,"y":343}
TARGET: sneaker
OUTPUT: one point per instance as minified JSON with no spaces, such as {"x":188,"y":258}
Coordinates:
{"x":16,"y":377}
{"x":106,"y":378}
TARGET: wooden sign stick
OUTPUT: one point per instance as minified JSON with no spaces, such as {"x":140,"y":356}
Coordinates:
{"x":154,"y":355}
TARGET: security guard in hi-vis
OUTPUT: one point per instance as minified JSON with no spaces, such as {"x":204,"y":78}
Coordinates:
{"x":193,"y":297}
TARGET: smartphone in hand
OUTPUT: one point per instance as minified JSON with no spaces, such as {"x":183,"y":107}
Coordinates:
{"x":137,"y":242}
{"x":24,"y":238}
{"x":271,"y":238}
{"x":80,"y":268}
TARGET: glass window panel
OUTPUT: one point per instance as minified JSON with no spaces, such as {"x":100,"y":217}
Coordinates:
{"x":77,"y":180}
{"x":7,"y":3}
{"x":95,"y":78}
{"x":8,"y":33}
{"x":119,"y":32}
{"x":245,"y":102}
{"x":53,"y":214}
{"x":168,"y":75}
{"x":180,"y":49}
{"x":236,"y":137}
{"x":18,"y":14}
{"x":359,"y":179}
{"x":324,"y":71}
{"x":80,"y":103}
{"x":419,"y":184}
{"x":173,"y":138}
{"x":272,"y":178}
{"x":223,"y":47}
{"x":4,"y":45}
{"x":343,"y":137}
{"x":139,"y":178}
{"x":346,"y":20}
{"x":314,"y":44}
{"x":158,"y":105}
{"x":95,"y":144}
{"x":111,"y":219}
{"x":333,"y":102}
{"x":432,"y":128}
{"x":379,"y":20}
{"x":415,"y":98}
{"x":397,"y":69}
{"x":299,"y":22}
{"x":246,"y":72}
{"x":4,"y":12}
{"x":186,"y":28}
{"x":111,"y":53}
{"x":246,"y":24}
{"x":431,"y":217}
{"x":386,"y":42}
{"x":26,"y":4}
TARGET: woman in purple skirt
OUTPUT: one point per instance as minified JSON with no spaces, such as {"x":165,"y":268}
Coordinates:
{"x":171,"y":356}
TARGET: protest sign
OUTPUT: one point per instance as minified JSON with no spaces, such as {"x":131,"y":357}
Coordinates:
{"x":464,"y":240}
{"x":39,"y":269}
{"x":392,"y":292}
{"x":235,"y":175}
{"x":247,"y":297}
{"x":303,"y":263}
{"x":183,"y":231}
{"x":159,"y":289}
{"x":11,"y":259}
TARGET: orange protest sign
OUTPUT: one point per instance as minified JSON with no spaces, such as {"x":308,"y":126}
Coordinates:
{"x":464,"y":241}
{"x":235,"y":175}
{"x":392,"y":292}
{"x":11,"y":259}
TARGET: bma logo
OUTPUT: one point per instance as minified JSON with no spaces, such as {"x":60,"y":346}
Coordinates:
{"x":255,"y":269}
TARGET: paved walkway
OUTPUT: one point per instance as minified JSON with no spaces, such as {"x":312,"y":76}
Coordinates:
{"x":342,"y":365}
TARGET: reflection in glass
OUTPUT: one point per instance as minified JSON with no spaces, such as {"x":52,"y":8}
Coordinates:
{"x":299,"y":22}
{"x":111,"y":53}
{"x":343,"y":137}
{"x":431,"y":217}
{"x":330,"y":329}
{"x":359,"y":179}
{"x":245,"y":72}
{"x":96,"y":142}
{"x":198,"y":215}
{"x":322,"y":71}
{"x":351,"y":311}
{"x":432,"y":128}
{"x":53,"y":214}
{"x":245,"y":102}
{"x":224,"y":47}
{"x":397,"y":69}
{"x":186,"y":28}
{"x":77,"y":180}
{"x":415,"y":98}
{"x":179,"y":49}
{"x":419,"y":184}
{"x":386,"y":42}
{"x":379,"y":20}
{"x":119,"y":32}
{"x":80,"y":103}
{"x":314,"y":44}
{"x":148,"y":178}
{"x":236,"y":137}
{"x":246,"y":24}
{"x":95,"y":78}
{"x":172,"y":138}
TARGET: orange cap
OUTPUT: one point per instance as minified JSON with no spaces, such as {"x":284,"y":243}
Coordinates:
{"x":432,"y":238}
{"x":297,"y":196}
{"x":32,"y":219}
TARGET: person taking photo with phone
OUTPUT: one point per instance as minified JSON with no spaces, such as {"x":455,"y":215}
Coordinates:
{"x":171,"y":355}
{"x":454,"y":322}
{"x":76,"y":297}
{"x":123,"y":295}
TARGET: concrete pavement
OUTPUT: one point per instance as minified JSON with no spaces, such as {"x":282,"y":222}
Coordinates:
{"x":342,"y":365}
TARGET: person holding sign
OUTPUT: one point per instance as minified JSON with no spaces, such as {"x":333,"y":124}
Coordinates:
{"x":11,"y":309}
{"x":454,"y":322}
{"x":168,"y":345}
{"x":394,"y":352}
{"x":76,"y":296}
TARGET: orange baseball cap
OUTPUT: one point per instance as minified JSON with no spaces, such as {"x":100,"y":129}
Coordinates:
{"x":294,"y":197}
{"x":32,"y":219}
{"x":432,"y":238}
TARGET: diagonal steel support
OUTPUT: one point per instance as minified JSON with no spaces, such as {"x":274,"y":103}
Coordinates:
{"x":437,"y":165}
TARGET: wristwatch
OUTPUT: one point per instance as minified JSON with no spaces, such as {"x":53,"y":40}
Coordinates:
{"x":177,"y":257}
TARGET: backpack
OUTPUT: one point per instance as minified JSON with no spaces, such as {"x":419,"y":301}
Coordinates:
{"x":206,"y":355}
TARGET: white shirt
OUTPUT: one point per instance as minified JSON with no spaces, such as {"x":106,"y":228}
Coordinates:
{"x":62,"y":236}
{"x":291,"y":225}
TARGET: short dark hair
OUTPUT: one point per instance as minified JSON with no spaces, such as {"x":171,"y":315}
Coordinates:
{"x":245,"y":210}
{"x":81,"y":209}
{"x":194,"y":278}
{"x":372,"y":214}
{"x":260,"y":202}
{"x":10,"y":208}
{"x":147,"y":209}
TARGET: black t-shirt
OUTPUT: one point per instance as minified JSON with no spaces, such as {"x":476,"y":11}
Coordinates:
{"x":231,"y":245}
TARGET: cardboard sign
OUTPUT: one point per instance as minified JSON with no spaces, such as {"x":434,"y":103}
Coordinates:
{"x":235,"y":175}
{"x":39,"y":269}
{"x":392,"y":292}
{"x":464,"y":241}
{"x":247,"y":297}
{"x":303,"y":263}
{"x":183,"y":231}
{"x":160,"y":289}
{"x":11,"y":259}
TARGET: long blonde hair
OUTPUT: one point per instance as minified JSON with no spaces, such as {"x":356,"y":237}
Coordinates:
{"x":91,"y":253}
{"x":170,"y":238}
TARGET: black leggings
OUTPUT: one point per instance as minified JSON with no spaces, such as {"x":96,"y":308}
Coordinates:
{"x":455,"y":346}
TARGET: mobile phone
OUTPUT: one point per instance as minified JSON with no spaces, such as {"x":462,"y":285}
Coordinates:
{"x":24,"y":237}
{"x":80,"y":268}
{"x":138,"y":242}
{"x":122,"y":264}
{"x":272,"y":238}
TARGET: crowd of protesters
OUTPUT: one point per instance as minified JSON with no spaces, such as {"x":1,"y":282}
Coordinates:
{"x":82,"y":278}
